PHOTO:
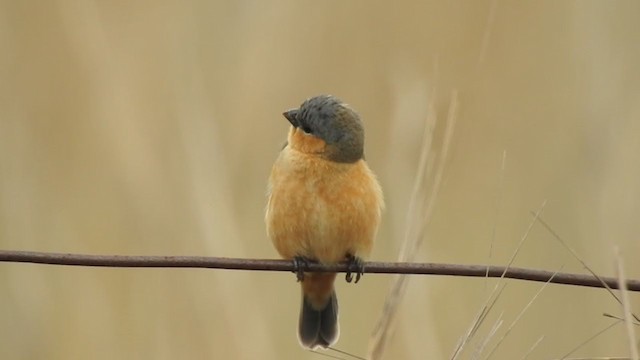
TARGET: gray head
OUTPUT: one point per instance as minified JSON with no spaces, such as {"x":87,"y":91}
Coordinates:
{"x":329,"y":119}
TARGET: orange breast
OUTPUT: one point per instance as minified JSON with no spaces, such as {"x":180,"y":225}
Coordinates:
{"x":321,"y":209}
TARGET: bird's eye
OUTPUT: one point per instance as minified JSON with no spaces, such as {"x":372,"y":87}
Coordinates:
{"x":306,"y":129}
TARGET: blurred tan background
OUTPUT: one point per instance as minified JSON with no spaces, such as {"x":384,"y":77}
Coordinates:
{"x":149,"y":128}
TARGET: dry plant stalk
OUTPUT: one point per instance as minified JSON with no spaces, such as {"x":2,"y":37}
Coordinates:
{"x":421,"y":206}
{"x":626,"y":306}
{"x":495,"y":294}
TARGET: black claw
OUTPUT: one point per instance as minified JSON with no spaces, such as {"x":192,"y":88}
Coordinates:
{"x":300,"y":265}
{"x":355,"y":265}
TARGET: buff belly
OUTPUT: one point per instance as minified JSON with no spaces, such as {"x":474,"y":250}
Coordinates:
{"x":322,"y":210}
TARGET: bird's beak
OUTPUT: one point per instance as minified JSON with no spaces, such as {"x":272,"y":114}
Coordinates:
{"x":292,"y":115}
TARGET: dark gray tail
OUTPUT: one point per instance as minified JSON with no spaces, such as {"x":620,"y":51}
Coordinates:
{"x":319,"y":327}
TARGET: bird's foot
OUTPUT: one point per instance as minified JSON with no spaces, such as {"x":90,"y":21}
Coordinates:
{"x":355,"y":265}
{"x":300,"y":265}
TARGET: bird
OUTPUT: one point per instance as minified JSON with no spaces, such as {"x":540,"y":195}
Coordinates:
{"x":324,"y":205}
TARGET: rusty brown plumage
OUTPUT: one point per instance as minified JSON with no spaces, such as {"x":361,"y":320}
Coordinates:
{"x":324,"y":205}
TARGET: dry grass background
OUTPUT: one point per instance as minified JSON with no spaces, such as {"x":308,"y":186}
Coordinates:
{"x":150,"y":127}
